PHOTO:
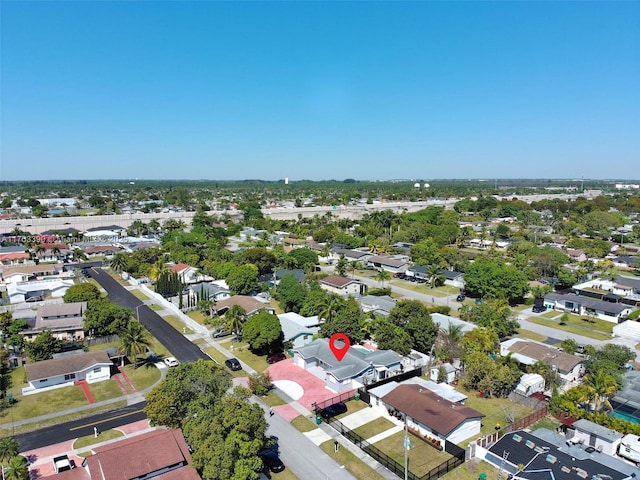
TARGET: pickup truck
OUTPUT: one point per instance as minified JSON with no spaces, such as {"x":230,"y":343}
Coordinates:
{"x":62,"y":464}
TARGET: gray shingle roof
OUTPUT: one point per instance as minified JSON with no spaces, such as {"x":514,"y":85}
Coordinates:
{"x":354,"y":363}
{"x":588,"y":302}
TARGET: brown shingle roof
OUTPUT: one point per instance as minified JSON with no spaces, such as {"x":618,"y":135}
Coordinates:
{"x":64,"y":365}
{"x":552,"y":356}
{"x":142,"y":455}
{"x":76,"y":309}
{"x":32,"y":269}
{"x":249,"y":304}
{"x":336,"y":281}
{"x":429,"y":408}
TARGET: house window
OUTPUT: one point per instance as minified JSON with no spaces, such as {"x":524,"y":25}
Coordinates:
{"x":70,"y":376}
{"x":97,"y":370}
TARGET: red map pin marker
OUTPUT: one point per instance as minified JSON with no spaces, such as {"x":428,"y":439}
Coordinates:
{"x":339,"y":351}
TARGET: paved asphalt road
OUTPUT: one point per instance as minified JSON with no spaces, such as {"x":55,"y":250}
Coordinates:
{"x":301,"y":456}
{"x":80,"y":428}
{"x":174,"y":341}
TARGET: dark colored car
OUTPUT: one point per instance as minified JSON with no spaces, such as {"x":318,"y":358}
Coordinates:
{"x":272,"y":461}
{"x":538,"y":308}
{"x":333,"y":410}
{"x":275,"y":358}
{"x":233,"y":364}
{"x":460,"y":298}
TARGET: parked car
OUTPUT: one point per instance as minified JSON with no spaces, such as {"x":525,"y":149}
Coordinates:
{"x":171,"y":362}
{"x":538,"y":308}
{"x":233,"y":364}
{"x":220,"y":332}
{"x":276,"y":357}
{"x":333,"y":410}
{"x":460,"y":298}
{"x":272,"y":462}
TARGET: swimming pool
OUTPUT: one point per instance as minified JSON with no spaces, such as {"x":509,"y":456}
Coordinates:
{"x":624,"y":416}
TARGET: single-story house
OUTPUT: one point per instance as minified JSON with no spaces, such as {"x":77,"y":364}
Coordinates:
{"x":570,"y":368}
{"x":64,"y":320}
{"x":591,"y":434}
{"x":432,"y":416}
{"x":577,"y":255}
{"x":101,"y":250}
{"x":544,"y":455}
{"x":583,"y":305}
{"x":24,"y":273}
{"x":165,"y":453}
{"x":91,"y":367}
{"x":297,"y":329}
{"x":210,"y":291}
{"x":390,"y":264}
{"x":350,"y":254}
{"x":381,"y":305}
{"x":15,"y":258}
{"x":111,"y":231}
{"x":342,"y":286}
{"x":444,"y":321}
{"x":450,"y":372}
{"x":418,"y":271}
{"x":453,"y":278}
{"x":37,"y":290}
{"x":358,"y":367}
{"x":251,"y":305}
{"x":51,"y":252}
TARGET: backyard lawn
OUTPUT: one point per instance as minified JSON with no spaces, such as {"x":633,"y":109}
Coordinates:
{"x":422,"y":456}
{"x":496,"y":410}
{"x":353,"y":464}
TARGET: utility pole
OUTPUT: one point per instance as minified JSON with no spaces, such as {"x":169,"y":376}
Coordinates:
{"x":406,"y":449}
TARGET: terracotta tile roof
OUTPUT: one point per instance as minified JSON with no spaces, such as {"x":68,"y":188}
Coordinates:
{"x":337,"y":282}
{"x":143,"y":455}
{"x":64,"y":365}
{"x":180,"y":267}
{"x":429,"y":408}
{"x":14,"y":256}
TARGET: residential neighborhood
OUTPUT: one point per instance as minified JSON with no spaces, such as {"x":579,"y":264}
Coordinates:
{"x":459,"y":349}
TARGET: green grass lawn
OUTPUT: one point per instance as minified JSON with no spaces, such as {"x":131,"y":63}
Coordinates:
{"x":272,"y":399}
{"x":422,"y":456}
{"x":103,"y":346}
{"x":353,"y":464}
{"x":495,"y":410}
{"x":105,"y":390}
{"x":586,"y":330}
{"x":550,"y":314}
{"x":156,"y":307}
{"x":29,"y":406}
{"x":92,"y":440}
{"x":177,"y":324}
{"x":139,"y":295}
{"x":531,"y":335}
{"x":220,"y":357}
{"x":144,"y":376}
{"x":471,"y":471}
{"x":303,"y":424}
{"x":374,"y":427}
{"x":198,"y":316}
{"x":241,"y":352}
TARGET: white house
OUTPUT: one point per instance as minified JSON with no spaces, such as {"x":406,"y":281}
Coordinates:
{"x":591,"y":434}
{"x":38,"y":290}
{"x":342,"y":286}
{"x":431,"y":416}
{"x":91,"y":367}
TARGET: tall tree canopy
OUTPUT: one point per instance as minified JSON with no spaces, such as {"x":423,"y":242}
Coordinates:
{"x":490,"y":278}
{"x":414,"y":318}
{"x":263,"y":332}
{"x":81,"y":292}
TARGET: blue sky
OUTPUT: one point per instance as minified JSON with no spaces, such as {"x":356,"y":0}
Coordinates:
{"x":319,"y":90}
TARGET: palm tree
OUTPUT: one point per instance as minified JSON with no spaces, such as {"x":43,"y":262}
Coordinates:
{"x":157,"y":269}
{"x":40,"y":249}
{"x":235,"y":318}
{"x":78,"y":255}
{"x":326,"y":250}
{"x":449,"y":340}
{"x":134,"y":340}
{"x":55,"y":250}
{"x":119,"y":262}
{"x":16,"y":469}
{"x":600,"y":386}
{"x":434,"y":272}
{"x":355,"y":264}
{"x":9,"y":448}
{"x":154,"y":225}
{"x":383,"y":276}
{"x":341,"y":266}
{"x":329,"y":307}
